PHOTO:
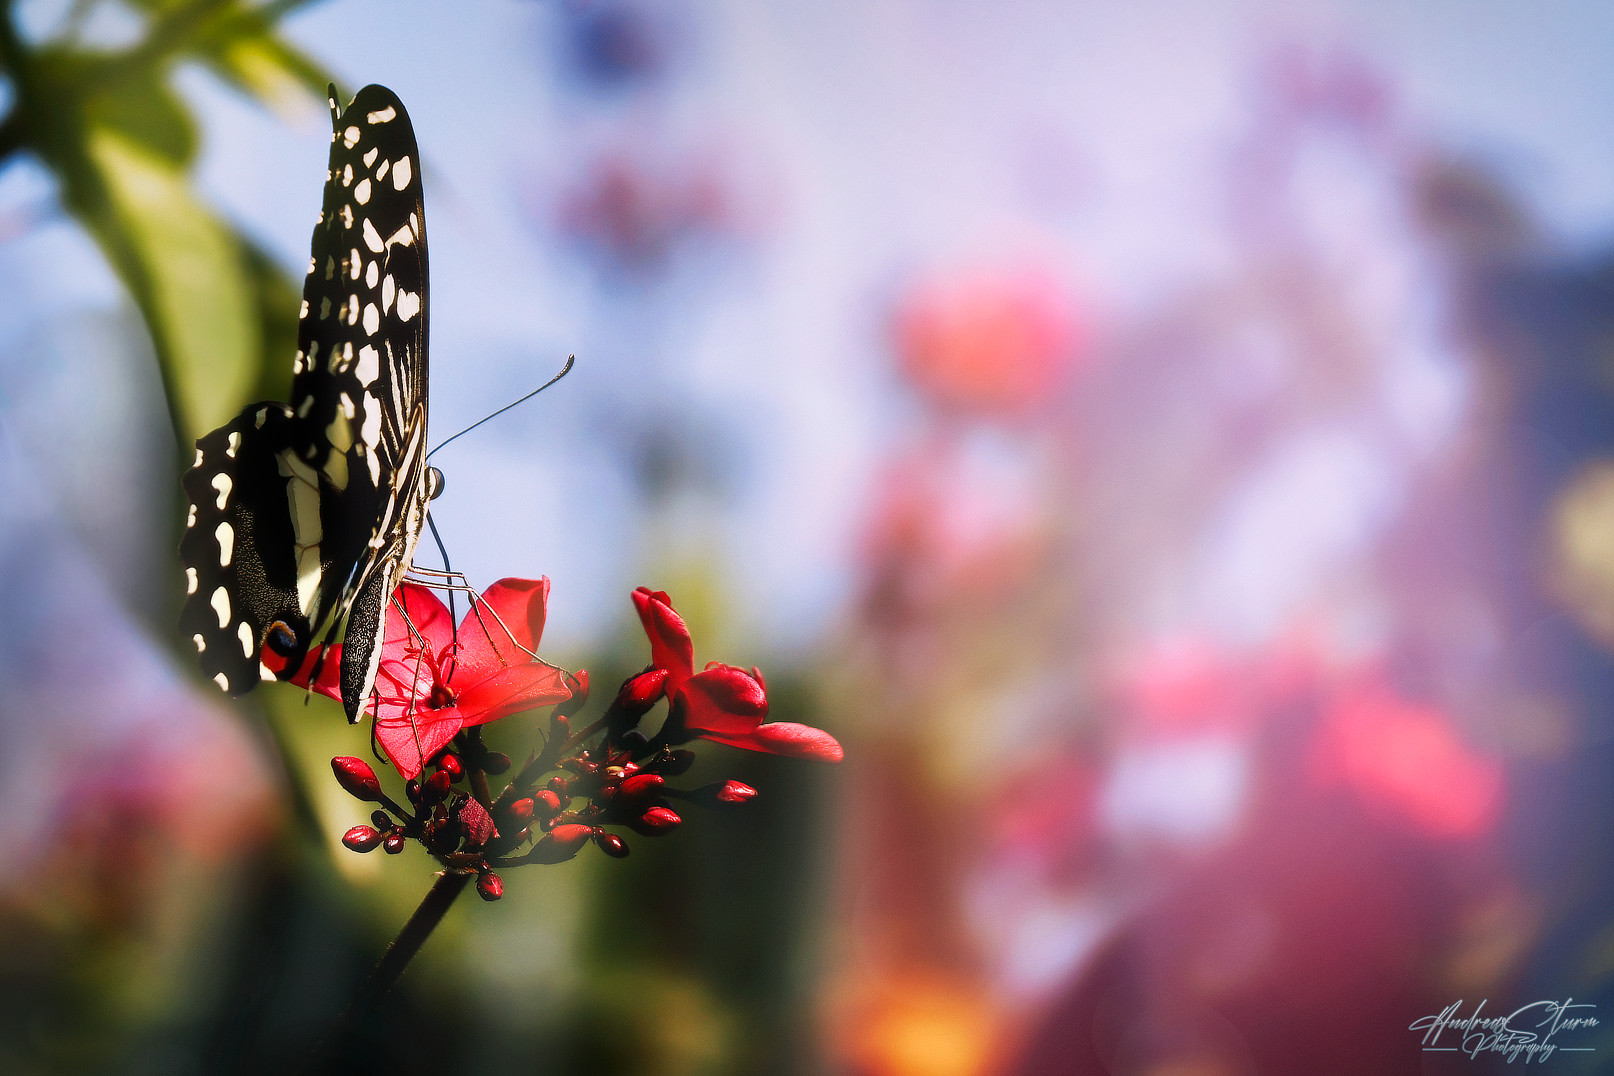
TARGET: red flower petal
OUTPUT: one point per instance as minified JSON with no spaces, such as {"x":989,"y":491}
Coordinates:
{"x":784,"y":738}
{"x":410,"y":737}
{"x":670,"y":645}
{"x":477,"y":822}
{"x":722,"y":698}
{"x":509,"y":691}
{"x":426,"y":612}
{"x":492,"y":636}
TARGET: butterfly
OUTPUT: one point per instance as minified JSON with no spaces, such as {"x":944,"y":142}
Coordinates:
{"x":303,"y":516}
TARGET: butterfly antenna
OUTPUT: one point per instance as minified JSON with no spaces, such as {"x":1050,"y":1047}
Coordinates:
{"x":447,"y":567}
{"x":564,"y":370}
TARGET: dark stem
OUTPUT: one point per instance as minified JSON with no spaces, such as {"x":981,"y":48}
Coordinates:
{"x":449,"y":885}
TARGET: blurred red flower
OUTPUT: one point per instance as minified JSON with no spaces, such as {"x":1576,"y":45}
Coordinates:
{"x":434,"y":683}
{"x":988,"y":340}
{"x":1409,"y":758}
{"x":722,"y":703}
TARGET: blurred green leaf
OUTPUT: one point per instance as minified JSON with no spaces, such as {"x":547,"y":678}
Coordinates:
{"x":245,"y":52}
{"x":149,"y":114}
{"x":185,"y":269}
{"x":119,"y":140}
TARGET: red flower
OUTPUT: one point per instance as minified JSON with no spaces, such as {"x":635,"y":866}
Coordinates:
{"x":432,"y":685}
{"x":722,"y":703}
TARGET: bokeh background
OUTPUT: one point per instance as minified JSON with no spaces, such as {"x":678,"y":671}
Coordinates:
{"x":1170,"y":444}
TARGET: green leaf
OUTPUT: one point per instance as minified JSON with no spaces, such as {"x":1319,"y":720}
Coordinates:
{"x":186,"y":271}
{"x":146,"y":111}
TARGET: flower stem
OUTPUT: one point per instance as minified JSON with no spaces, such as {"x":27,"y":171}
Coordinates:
{"x":449,"y":885}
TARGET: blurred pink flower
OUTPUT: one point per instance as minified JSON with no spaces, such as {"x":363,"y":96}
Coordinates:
{"x":988,"y":341}
{"x":1408,"y":758}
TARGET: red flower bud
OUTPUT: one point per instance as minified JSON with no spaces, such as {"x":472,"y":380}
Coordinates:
{"x":521,"y":810}
{"x":412,"y":789}
{"x":495,"y":762}
{"x":559,"y":726}
{"x":571,"y":834}
{"x":393,"y":843}
{"x":489,"y":886}
{"x":357,"y":778}
{"x":610,"y":844}
{"x":381,"y":820}
{"x":578,"y":683}
{"x":641,"y":785}
{"x":561,"y":843}
{"x":637,"y":695}
{"x":361,"y":838}
{"x":734,"y":793}
{"x":557,"y":785}
{"x":451,"y":765}
{"x":656,"y":821}
{"x":546,"y":804}
{"x":436,"y":786}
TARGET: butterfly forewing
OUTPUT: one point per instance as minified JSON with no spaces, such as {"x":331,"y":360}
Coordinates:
{"x":344,"y":468}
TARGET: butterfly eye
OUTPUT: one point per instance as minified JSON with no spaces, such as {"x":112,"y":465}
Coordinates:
{"x":435,"y":483}
{"x":281,"y":639}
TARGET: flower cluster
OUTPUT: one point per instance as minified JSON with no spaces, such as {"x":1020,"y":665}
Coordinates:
{"x":438,"y":685}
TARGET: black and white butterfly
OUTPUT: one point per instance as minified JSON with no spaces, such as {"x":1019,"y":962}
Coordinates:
{"x":304,"y":516}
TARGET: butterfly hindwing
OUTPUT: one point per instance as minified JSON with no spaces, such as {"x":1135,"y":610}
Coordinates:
{"x":240,"y":550}
{"x":346,"y":462}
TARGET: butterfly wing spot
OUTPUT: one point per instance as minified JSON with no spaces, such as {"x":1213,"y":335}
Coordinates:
{"x":402,"y":171}
{"x":222,"y":680}
{"x":369,"y":367}
{"x":263,"y":413}
{"x":361,"y":193}
{"x":302,"y":410}
{"x":408,"y":305}
{"x":403,"y":237}
{"x":222,"y":483}
{"x":381,"y":173}
{"x":369,"y":158}
{"x":302,"y":312}
{"x":225,"y":535}
{"x":352,"y":311}
{"x":201,"y":644}
{"x":347,"y":176}
{"x":385,"y":115}
{"x":372,"y":238}
{"x":370,"y":431}
{"x":198,"y":462}
{"x":325,"y":308}
{"x":372,"y":273}
{"x":243,"y":631}
{"x":350,"y":137}
{"x":232,"y":443}
{"x":191,"y":582}
{"x":389,"y":288}
{"x":190,"y":518}
{"x":347,"y":216}
{"x":372,"y":316}
{"x":355,"y":264}
{"x":221,"y":605}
